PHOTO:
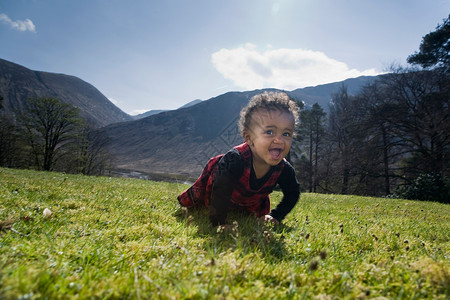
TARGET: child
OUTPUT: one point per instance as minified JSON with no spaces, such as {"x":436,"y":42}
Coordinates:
{"x":244,"y":177}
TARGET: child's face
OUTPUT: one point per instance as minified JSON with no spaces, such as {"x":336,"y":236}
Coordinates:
{"x":270,"y":136}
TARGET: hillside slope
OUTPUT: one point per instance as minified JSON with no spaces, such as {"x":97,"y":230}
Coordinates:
{"x":182,"y":141}
{"x":322,"y":94}
{"x":179,"y":141}
{"x":18,"y":83}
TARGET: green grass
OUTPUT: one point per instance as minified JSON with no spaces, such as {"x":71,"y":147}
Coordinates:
{"x":111,"y":238}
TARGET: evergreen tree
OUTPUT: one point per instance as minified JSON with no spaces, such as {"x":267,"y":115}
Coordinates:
{"x":434,"y":50}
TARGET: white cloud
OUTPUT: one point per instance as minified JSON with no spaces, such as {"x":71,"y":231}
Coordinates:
{"x":280,"y":68}
{"x":26,"y":25}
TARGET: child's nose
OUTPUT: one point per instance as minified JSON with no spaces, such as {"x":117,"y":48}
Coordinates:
{"x":278,"y":139}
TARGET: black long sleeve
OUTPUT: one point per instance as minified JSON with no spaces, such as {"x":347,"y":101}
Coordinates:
{"x":291,"y":192}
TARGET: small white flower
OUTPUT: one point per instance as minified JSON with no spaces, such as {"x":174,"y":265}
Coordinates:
{"x":47,"y":213}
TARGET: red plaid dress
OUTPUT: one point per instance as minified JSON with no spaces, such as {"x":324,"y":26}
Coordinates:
{"x":243,"y":195}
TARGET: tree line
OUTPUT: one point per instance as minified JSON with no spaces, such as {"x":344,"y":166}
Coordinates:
{"x":50,"y":135}
{"x":390,"y":139}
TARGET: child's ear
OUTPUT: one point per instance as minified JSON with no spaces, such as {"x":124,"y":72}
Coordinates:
{"x":247,"y":138}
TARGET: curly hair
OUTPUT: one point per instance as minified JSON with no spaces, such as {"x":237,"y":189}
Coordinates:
{"x":270,"y":101}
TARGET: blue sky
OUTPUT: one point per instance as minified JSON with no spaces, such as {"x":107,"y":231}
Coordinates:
{"x":145,"y":55}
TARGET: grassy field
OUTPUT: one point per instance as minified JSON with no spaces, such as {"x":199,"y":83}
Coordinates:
{"x":111,"y":238}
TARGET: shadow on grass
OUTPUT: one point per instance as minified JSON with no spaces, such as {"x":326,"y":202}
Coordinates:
{"x":245,"y":233}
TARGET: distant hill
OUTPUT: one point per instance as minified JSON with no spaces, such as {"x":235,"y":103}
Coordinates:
{"x":18,"y":83}
{"x":322,"y":94}
{"x":181,"y":141}
{"x":148,"y":113}
{"x":192,"y":103}
{"x":177,"y":141}
{"x":157,"y":111}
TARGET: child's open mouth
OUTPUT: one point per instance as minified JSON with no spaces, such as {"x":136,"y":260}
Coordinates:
{"x":275,"y":153}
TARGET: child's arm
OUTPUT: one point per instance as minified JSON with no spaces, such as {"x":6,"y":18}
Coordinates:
{"x":230,"y":168}
{"x":291,"y":192}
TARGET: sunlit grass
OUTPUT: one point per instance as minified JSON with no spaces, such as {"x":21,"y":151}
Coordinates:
{"x":115,"y":238}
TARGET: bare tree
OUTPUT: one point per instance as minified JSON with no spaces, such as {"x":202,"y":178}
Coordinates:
{"x":340,"y":134}
{"x":312,"y":131}
{"x":49,"y":126}
{"x":419,"y":102}
{"x":94,"y":158}
{"x":8,"y":137}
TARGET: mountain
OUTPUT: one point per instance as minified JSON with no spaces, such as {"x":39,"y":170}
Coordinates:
{"x":322,"y":94}
{"x":177,"y":142}
{"x":18,"y":83}
{"x":157,"y":111}
{"x":180,"y":142}
{"x":191,"y":103}
{"x":148,"y":113}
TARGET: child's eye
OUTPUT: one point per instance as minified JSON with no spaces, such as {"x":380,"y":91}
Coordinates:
{"x":269,"y":132}
{"x":288,"y":134}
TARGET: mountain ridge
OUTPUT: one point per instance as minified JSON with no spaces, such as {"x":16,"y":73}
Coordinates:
{"x":18,"y":83}
{"x":157,"y":111}
{"x":177,"y":141}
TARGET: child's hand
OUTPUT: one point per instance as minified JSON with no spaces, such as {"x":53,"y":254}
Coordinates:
{"x":269,"y":218}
